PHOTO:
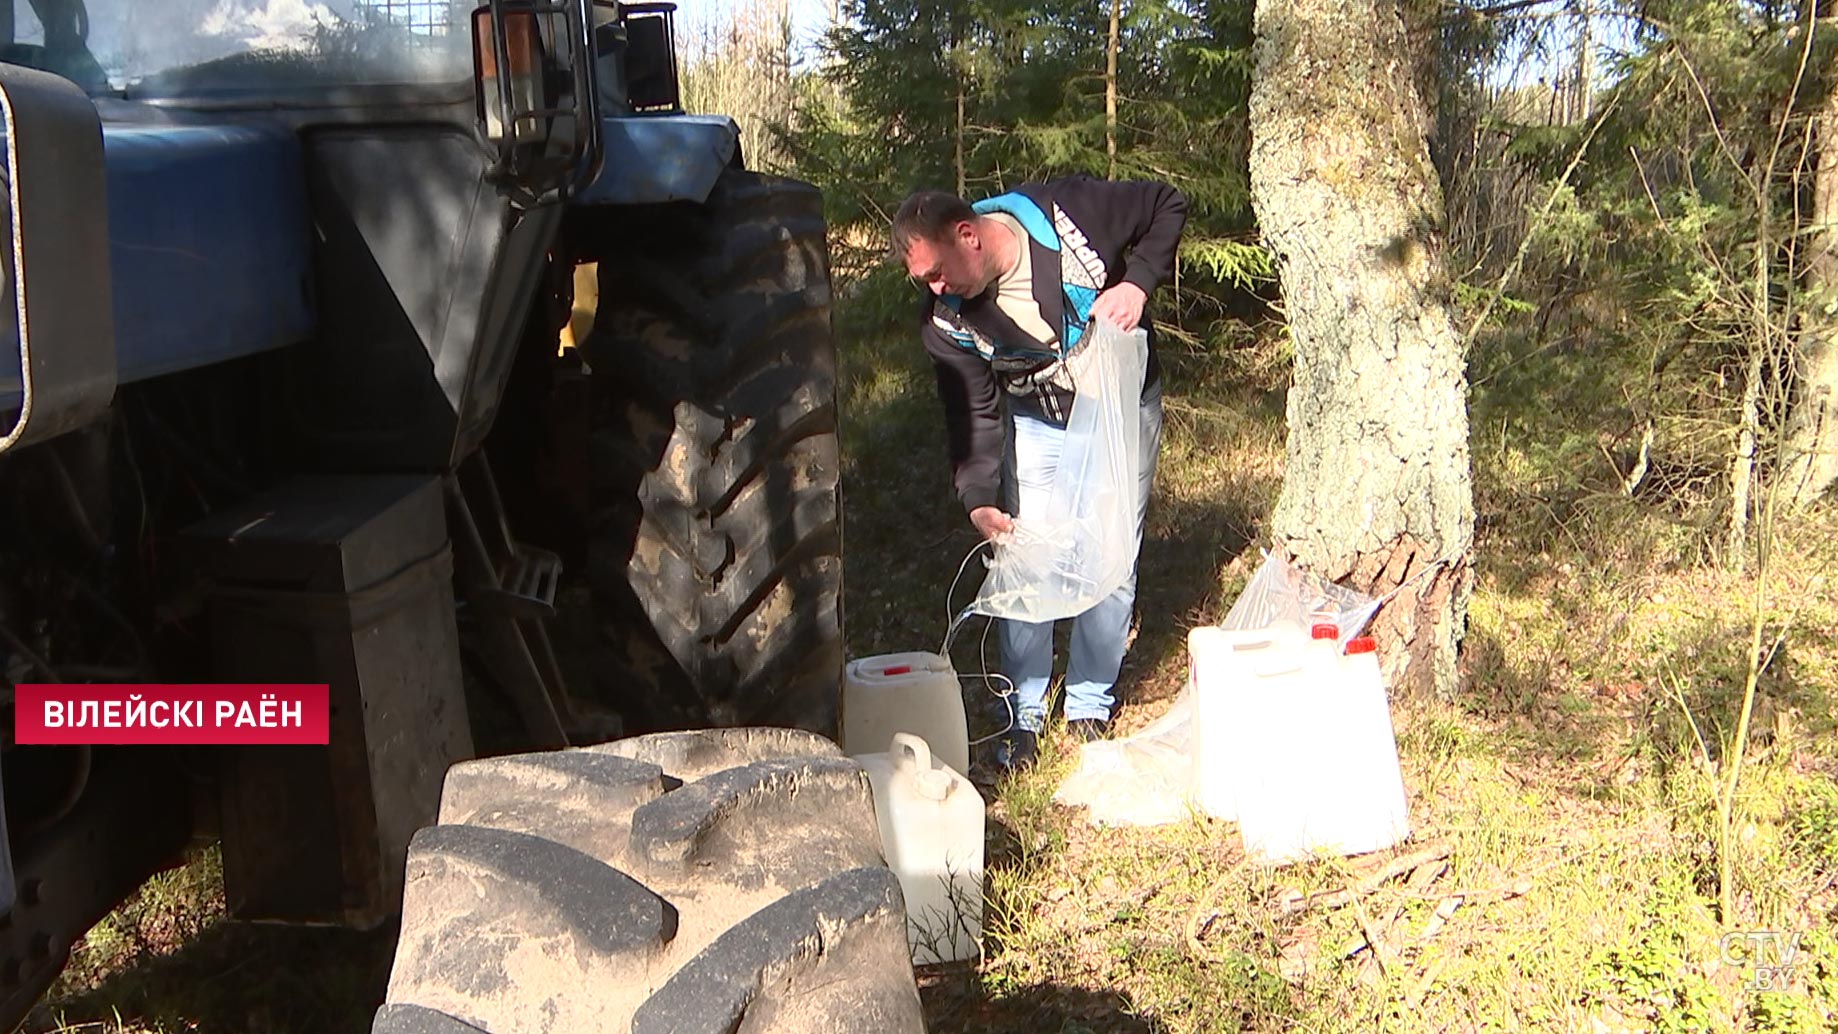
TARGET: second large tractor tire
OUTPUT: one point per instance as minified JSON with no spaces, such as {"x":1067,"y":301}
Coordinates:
{"x":723,"y":881}
{"x":716,"y":549}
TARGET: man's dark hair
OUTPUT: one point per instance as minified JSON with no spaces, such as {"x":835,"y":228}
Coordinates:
{"x":926,"y":215}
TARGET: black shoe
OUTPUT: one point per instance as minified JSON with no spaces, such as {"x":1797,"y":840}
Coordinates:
{"x":1085,"y":730}
{"x":1018,"y":750}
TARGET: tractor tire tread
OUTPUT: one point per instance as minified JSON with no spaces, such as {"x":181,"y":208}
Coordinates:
{"x":752,"y":891}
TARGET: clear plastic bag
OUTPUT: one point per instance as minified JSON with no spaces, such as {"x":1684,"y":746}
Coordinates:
{"x":1145,"y":779}
{"x":1082,"y":547}
{"x":1281,"y":592}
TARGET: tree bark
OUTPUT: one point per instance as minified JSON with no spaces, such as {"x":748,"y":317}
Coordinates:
{"x":1811,"y":466}
{"x":1422,"y":42}
{"x":1110,"y":87}
{"x":1748,"y":426}
{"x":1378,"y":486}
{"x":960,"y":73}
{"x":957,"y":138}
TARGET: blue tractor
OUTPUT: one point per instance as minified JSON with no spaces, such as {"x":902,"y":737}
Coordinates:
{"x":281,"y":402}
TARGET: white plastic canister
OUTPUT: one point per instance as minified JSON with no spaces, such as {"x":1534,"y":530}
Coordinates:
{"x":915,"y":693}
{"x":931,"y":821}
{"x":1377,"y":812}
{"x":1293,"y":805}
{"x":1333,"y":786}
{"x":1240,"y":680}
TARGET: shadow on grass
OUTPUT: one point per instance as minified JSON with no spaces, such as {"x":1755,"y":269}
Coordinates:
{"x":238,"y":978}
{"x":1178,"y":577}
{"x":242,"y":979}
{"x":956,"y":1001}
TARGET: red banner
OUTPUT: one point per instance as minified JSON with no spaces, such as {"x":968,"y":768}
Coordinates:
{"x":171,"y":714}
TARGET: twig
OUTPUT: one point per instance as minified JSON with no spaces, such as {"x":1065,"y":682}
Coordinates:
{"x":1496,"y":9}
{"x":1372,"y":938}
{"x":1647,"y":185}
{"x":1396,"y":867}
{"x":1426,"y":874}
{"x":1516,"y":889}
{"x":1677,"y":695}
{"x":1799,"y":77}
{"x":1440,"y":917}
{"x":1194,"y":922}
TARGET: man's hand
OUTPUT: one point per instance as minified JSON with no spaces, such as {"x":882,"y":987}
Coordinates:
{"x":1121,"y":306}
{"x":991,"y":522}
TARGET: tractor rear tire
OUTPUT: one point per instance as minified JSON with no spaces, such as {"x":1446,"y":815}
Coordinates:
{"x":715,"y":555}
{"x":724,"y":880}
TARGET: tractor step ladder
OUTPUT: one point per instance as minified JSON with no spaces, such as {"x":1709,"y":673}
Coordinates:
{"x":510,"y":589}
{"x":529,"y":580}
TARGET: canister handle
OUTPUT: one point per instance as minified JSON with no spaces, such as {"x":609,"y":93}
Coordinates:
{"x":907,"y":746}
{"x":1268,"y":665}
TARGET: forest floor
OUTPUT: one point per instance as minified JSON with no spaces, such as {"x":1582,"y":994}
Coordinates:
{"x":1563,"y":868}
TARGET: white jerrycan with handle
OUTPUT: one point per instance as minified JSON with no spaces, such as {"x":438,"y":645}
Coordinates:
{"x":931,"y":821}
{"x":1296,"y":807}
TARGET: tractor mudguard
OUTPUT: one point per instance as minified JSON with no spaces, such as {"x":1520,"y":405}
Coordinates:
{"x":210,"y":243}
{"x":654,"y":159}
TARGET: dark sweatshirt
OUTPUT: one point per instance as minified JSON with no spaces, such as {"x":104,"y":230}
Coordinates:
{"x":1131,"y":231}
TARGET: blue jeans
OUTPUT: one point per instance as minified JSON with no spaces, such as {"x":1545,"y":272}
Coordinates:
{"x":1100,"y":634}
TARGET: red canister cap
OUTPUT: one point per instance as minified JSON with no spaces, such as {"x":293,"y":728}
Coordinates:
{"x":1324,"y":631}
{"x":1363,"y":644}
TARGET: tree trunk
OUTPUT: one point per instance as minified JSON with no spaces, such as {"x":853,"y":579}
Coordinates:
{"x":1422,"y":43}
{"x":1748,"y":427}
{"x":1378,"y":486}
{"x":1585,"y":67}
{"x":957,"y":136}
{"x":1812,"y":442}
{"x":960,"y":74}
{"x":1110,"y":87}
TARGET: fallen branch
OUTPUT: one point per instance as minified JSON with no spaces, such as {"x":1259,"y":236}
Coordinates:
{"x":1391,"y":870}
{"x":1516,"y":889}
{"x":1380,"y":954}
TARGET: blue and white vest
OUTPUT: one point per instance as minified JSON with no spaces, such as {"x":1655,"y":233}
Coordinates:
{"x":1038,"y":371}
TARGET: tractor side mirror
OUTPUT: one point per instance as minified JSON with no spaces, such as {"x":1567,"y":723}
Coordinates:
{"x":651,"y":72}
{"x":635,"y":48}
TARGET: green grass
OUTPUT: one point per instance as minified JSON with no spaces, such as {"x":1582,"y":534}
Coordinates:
{"x":1567,"y":781}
